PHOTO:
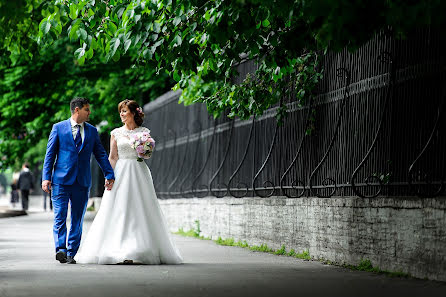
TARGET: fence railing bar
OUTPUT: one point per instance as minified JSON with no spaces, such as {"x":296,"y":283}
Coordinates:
{"x":228,"y":146}
{"x":341,"y":73}
{"x":271,"y":147}
{"x":385,"y":57}
{"x":438,"y":191}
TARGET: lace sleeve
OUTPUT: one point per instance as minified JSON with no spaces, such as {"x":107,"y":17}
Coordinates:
{"x":115,"y":132}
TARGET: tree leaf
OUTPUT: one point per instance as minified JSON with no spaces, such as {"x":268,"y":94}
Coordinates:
{"x":127,"y":45}
{"x":156,"y":27}
{"x":45,"y":26}
{"x":176,"y":41}
{"x":112,"y":28}
{"x":120,"y":12}
{"x":176,"y":21}
{"x":116,"y":57}
{"x":265,"y":23}
{"x":81,"y":61}
{"x":137,"y":38}
{"x":89,"y":53}
{"x":72,"y":31}
{"x":114,"y":44}
{"x":73,"y":11}
{"x":82,"y":34}
{"x":79,"y":53}
{"x":176,"y":76}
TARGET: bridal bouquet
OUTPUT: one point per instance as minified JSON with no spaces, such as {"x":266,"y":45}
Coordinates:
{"x":144,"y":144}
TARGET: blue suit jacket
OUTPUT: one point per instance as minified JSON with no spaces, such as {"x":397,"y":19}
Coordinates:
{"x":63,"y":164}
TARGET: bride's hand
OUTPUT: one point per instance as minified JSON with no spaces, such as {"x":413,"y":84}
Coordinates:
{"x":109,"y":184}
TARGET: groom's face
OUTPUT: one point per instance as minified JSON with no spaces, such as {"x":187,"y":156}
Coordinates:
{"x":84,"y":113}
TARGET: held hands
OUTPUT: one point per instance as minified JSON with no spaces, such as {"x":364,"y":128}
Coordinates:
{"x":46,"y":186}
{"x":109,"y":184}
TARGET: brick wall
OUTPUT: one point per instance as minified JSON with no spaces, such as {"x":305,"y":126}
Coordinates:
{"x":396,"y":234}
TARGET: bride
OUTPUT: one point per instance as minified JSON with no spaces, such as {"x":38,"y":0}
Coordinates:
{"x":129,"y":226}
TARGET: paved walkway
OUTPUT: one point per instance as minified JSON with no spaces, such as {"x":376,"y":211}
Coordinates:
{"x":28,"y":268}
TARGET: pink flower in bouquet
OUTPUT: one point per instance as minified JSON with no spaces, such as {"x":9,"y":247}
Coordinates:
{"x":140,"y":149}
{"x":152,"y":142}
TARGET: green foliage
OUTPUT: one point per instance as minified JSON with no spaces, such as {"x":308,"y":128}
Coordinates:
{"x":190,"y":233}
{"x":199,"y":42}
{"x":366,"y":265}
{"x":242,"y":244}
{"x":197,"y":229}
{"x":281,"y":251}
{"x":305,"y":255}
{"x":227,"y":242}
{"x":262,"y":248}
{"x":195,"y":232}
{"x":35,"y":93}
{"x":19,"y":21}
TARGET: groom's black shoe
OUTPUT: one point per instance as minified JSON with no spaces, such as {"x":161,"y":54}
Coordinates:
{"x":70,"y":260}
{"x":61,"y":256}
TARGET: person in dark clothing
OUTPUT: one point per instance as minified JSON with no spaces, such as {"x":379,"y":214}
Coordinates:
{"x":14,"y":194}
{"x":25,"y":184}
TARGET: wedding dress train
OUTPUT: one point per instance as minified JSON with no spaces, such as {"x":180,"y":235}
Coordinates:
{"x":129,"y":225}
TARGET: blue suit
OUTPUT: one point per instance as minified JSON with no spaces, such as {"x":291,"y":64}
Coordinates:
{"x":70,"y":175}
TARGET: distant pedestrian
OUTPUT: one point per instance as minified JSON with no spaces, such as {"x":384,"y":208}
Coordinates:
{"x":25,"y":184}
{"x":14,"y":193}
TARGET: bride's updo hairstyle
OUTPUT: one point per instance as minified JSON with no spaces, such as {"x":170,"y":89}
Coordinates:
{"x":134,"y":108}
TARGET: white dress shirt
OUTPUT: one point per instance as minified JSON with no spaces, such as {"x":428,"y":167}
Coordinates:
{"x":74,"y":129}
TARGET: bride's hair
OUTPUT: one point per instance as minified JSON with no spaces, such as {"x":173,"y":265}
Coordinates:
{"x":134,"y":108}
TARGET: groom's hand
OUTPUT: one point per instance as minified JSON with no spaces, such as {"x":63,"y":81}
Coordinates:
{"x":46,"y":186}
{"x":109,"y":184}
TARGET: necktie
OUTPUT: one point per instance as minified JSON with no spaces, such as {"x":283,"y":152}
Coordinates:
{"x":78,"y":138}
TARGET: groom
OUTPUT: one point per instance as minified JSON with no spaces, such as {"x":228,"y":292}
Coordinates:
{"x":66,"y":172}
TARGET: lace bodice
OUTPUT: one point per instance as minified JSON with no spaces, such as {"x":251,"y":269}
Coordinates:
{"x":122,"y":137}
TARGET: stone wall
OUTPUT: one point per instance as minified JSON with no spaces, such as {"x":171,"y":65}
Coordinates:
{"x":396,"y":234}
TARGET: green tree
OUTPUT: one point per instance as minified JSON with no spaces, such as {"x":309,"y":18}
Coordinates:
{"x":198,"y":41}
{"x":35,"y":93}
{"x":19,"y":21}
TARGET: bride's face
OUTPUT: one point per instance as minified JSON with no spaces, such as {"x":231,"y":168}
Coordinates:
{"x":126,"y":115}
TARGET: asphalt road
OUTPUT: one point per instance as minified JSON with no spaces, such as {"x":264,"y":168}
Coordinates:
{"x":28,"y":268}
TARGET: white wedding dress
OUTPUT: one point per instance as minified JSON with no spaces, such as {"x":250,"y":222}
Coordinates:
{"x":129,"y":224}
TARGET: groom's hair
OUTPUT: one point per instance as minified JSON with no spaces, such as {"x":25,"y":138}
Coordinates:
{"x":78,"y":102}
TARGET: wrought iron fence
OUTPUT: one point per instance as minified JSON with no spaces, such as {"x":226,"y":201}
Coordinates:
{"x":379,"y":130}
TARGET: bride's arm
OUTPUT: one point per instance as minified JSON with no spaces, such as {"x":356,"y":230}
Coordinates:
{"x":113,"y":157}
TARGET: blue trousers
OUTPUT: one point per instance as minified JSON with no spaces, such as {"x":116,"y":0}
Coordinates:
{"x":77,"y":195}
